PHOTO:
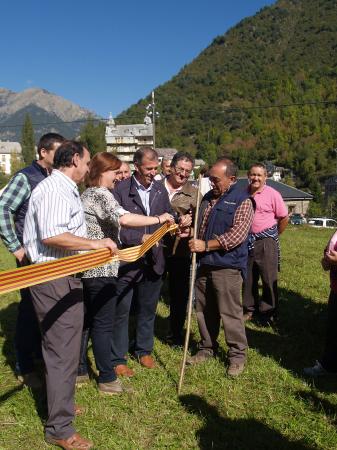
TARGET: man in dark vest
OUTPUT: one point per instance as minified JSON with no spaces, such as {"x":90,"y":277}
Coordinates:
{"x":226,"y":214}
{"x":13,"y":207}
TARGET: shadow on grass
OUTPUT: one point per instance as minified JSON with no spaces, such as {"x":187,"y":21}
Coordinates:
{"x":299,"y":337}
{"x":7,"y":321}
{"x":318,"y":404}
{"x":234,"y":434}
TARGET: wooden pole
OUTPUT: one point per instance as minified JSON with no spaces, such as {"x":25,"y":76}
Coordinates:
{"x":191,"y":291}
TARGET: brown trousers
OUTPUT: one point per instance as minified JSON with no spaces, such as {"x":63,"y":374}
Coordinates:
{"x":59,"y":308}
{"x":218,"y":297}
{"x":262,"y":261}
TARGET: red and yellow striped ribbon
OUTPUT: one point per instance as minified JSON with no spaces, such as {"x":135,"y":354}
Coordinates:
{"x":11,"y":280}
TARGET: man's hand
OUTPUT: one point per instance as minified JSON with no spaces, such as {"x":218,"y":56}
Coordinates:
{"x":185,"y":221}
{"x":197,"y":245}
{"x":166,"y":217}
{"x":106,"y":243}
{"x":21,"y":256}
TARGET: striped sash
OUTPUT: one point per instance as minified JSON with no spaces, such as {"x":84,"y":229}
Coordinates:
{"x":11,"y":280}
{"x":271,"y":232}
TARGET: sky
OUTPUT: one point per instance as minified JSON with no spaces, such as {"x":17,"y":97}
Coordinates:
{"x":107,"y":55}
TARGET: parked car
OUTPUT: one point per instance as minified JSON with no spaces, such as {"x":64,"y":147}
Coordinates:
{"x":297,"y":219}
{"x":322,"y":222}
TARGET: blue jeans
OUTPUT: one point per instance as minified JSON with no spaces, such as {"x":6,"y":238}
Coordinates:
{"x":100,"y":301}
{"x":142,"y":290}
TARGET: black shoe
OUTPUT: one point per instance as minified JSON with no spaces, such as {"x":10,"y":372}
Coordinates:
{"x":174,"y":341}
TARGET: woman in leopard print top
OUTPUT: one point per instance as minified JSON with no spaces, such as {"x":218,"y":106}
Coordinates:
{"x":104,"y":217}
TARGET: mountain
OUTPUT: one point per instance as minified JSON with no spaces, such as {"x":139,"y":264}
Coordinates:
{"x":48,"y":111}
{"x":233,"y":98}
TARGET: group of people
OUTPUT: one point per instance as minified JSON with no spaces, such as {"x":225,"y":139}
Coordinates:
{"x":43,"y":217}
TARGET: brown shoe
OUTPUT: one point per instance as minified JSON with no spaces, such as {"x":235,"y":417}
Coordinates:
{"x":147,"y":361}
{"x":122,"y":370}
{"x":114,"y":388}
{"x":247,"y":316}
{"x":200,"y":357}
{"x":74,"y":442}
{"x":234,"y":370}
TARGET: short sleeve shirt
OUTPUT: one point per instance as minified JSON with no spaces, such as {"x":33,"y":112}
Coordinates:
{"x":270,"y":207}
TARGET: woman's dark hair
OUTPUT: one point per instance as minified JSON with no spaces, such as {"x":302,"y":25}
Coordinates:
{"x":100,"y":163}
{"x":64,"y":154}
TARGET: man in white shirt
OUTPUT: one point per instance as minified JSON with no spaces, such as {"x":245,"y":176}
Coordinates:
{"x":55,"y":228}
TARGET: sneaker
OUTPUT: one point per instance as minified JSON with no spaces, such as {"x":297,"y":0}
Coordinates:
{"x":200,"y":357}
{"x":113,"y":388}
{"x":234,"y":370}
{"x":81,"y":380}
{"x":315,"y":371}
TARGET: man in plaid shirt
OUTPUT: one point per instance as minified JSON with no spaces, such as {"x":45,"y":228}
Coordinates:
{"x":226,"y":215}
{"x":13,"y":207}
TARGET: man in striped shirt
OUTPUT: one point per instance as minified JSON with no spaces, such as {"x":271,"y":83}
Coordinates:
{"x":226,"y":214}
{"x":13,"y":208}
{"x":55,"y":228}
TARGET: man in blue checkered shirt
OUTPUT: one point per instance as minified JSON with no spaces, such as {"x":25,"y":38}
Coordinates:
{"x":13,"y":207}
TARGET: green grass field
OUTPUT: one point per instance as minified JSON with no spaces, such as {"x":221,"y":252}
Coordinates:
{"x":271,"y":406}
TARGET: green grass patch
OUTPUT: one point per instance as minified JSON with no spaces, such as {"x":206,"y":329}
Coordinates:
{"x":271,"y":406}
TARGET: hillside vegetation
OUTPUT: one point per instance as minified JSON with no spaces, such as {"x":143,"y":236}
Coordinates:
{"x":233,"y":97}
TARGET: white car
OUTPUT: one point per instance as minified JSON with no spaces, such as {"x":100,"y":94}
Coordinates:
{"x":322,"y":222}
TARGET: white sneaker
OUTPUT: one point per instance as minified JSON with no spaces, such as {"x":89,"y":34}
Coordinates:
{"x":315,"y":371}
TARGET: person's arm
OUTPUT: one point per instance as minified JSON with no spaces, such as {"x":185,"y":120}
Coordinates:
{"x":53,"y":223}
{"x":68,"y":241}
{"x":282,"y":224}
{"x":237,"y":234}
{"x":16,"y":193}
{"x":137,"y":220}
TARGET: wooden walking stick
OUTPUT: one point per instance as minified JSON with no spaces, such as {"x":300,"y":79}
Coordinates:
{"x":191,"y":291}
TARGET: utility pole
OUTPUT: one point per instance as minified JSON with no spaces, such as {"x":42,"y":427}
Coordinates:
{"x":151,"y":111}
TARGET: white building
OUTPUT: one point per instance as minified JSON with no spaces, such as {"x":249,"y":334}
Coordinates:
{"x":124,"y":140}
{"x":7,"y":150}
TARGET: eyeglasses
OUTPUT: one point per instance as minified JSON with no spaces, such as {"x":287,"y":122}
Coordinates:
{"x":182,"y":171}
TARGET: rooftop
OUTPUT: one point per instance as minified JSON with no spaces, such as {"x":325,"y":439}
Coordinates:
{"x":287,"y":192}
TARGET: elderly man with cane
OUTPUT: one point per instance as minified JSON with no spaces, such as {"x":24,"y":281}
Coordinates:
{"x":225,"y":218}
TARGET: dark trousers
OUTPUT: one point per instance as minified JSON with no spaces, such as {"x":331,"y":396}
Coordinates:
{"x":262,"y":261}
{"x":59,"y":308}
{"x":178,"y":282}
{"x":27,"y":334}
{"x":142,"y":289}
{"x":218,"y":297}
{"x":329,"y":359}
{"x":100,"y":305}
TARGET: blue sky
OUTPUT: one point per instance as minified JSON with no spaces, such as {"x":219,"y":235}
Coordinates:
{"x":106,"y":55}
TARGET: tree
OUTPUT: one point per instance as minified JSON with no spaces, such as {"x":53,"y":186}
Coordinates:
{"x":28,"y":141}
{"x":16,"y":163}
{"x":94,"y":136}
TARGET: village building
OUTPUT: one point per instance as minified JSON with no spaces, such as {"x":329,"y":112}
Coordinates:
{"x":124,"y":140}
{"x":8,"y":151}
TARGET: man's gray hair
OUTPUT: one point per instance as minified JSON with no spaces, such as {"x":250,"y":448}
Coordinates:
{"x":231,"y":167}
{"x":149,"y":152}
{"x":182,"y":156}
{"x":260,"y":166}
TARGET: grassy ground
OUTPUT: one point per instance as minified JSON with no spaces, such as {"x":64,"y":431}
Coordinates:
{"x":271,"y":406}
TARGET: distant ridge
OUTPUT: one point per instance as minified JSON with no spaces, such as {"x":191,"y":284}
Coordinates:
{"x":225,"y":101}
{"x":44,"y":108}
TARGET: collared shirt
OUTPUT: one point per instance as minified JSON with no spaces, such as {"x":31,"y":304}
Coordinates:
{"x":238,"y":233}
{"x":270,"y":207}
{"x":54,"y":208}
{"x":16,"y":193}
{"x":144,"y":194}
{"x":171,"y":194}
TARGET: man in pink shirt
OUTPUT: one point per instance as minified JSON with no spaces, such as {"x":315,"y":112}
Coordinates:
{"x":270,"y":220}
